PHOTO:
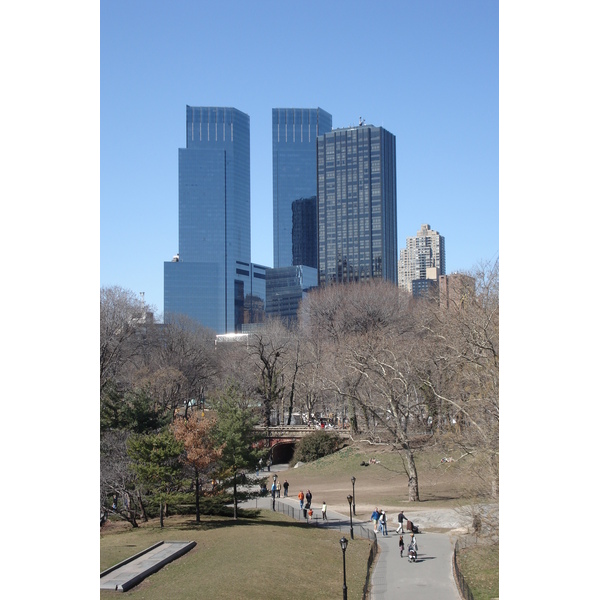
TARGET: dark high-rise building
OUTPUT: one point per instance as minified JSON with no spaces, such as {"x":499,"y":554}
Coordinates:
{"x":295,"y":132}
{"x":304,"y":232}
{"x":211,"y":277}
{"x":356,"y":200}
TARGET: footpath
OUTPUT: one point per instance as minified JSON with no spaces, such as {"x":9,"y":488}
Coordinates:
{"x":392,"y":577}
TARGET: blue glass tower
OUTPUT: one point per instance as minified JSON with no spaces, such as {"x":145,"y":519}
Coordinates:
{"x":212,"y":270}
{"x":295,"y":132}
{"x":356,"y":205}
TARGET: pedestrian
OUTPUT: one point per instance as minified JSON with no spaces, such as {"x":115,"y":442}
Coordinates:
{"x":301,"y":498}
{"x":260,"y":464}
{"x":286,"y":485}
{"x":383,"y":523}
{"x":308,"y":498}
{"x":278,"y":486}
{"x":273,"y":490}
{"x":401,"y":545}
{"x":375,"y":518}
{"x":269,"y":463}
{"x":401,"y":518}
{"x":412,"y":547}
{"x":324,"y":511}
{"x":310,"y":514}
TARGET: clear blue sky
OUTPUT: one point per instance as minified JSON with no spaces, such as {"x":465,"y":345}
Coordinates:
{"x":427,"y":71}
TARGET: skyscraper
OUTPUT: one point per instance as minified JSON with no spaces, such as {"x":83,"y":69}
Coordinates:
{"x":356,"y":199}
{"x":423,"y":258}
{"x":295,"y":132}
{"x":211,"y":276}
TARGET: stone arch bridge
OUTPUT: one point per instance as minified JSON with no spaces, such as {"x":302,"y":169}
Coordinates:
{"x":281,"y":439}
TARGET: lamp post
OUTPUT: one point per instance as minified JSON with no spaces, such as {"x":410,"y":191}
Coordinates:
{"x":344,"y":545}
{"x":350,"y":508}
{"x":353,"y":480}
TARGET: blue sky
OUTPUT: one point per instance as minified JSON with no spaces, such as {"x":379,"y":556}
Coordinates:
{"x":427,"y":71}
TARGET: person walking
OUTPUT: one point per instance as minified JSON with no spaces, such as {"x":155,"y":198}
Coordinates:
{"x":308,"y":498}
{"x":301,"y":498}
{"x":375,"y":518}
{"x":401,"y":545}
{"x":383,"y":523}
{"x":401,"y":518}
{"x":286,"y":485}
{"x":278,"y":487}
{"x":324,"y":511}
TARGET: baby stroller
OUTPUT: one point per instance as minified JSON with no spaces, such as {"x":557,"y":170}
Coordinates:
{"x":412,"y":552}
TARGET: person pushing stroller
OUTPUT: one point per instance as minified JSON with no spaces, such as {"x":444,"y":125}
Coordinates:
{"x":412,"y":549}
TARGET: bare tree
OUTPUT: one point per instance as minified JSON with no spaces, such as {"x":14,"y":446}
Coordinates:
{"x":121,"y":333}
{"x":270,"y":349}
{"x":460,"y":366}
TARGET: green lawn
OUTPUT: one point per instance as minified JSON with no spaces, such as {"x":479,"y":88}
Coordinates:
{"x":480,"y":568}
{"x":270,"y":556}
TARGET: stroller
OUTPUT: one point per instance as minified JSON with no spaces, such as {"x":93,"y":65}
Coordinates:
{"x":412,"y":552}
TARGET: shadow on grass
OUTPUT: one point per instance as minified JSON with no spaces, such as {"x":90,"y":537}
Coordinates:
{"x":241,"y":522}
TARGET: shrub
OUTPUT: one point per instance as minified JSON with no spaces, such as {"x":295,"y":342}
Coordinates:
{"x":316,"y":445}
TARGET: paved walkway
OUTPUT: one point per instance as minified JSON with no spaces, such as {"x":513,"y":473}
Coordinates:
{"x":430,"y":578}
{"x":128,"y":573}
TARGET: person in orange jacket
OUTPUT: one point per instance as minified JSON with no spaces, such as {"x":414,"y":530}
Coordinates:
{"x":301,"y":498}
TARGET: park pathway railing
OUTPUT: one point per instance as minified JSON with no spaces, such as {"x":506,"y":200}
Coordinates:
{"x":463,"y":586}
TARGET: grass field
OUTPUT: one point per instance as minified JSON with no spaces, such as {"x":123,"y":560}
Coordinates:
{"x":479,"y":566}
{"x":270,"y":556}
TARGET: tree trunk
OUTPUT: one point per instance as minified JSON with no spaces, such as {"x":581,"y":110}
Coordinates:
{"x":162,"y":523}
{"x":413,"y":479}
{"x":235,"y":496}
{"x":197,"y":497}
{"x":142,"y":507}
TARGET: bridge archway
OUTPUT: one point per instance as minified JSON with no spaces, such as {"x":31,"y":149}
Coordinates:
{"x":282,"y":452}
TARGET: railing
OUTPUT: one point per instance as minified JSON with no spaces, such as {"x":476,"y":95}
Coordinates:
{"x":463,"y":586}
{"x":335,"y":524}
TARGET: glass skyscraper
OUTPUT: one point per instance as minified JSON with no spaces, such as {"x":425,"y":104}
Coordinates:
{"x":211,"y":276}
{"x":295,"y":132}
{"x":356,"y":205}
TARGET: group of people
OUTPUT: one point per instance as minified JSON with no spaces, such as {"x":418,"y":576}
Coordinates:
{"x":306,"y":502}
{"x":380,"y":520}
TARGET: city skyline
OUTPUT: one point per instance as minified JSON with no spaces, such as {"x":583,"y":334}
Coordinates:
{"x":440,"y":100}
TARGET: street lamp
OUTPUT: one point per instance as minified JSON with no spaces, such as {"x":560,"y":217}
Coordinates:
{"x":353,"y":480}
{"x":344,"y":545}
{"x":349,"y":497}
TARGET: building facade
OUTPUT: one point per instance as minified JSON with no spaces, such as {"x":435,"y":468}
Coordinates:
{"x":286,"y":287}
{"x":211,"y":276}
{"x":304,"y":232}
{"x":426,"y":250}
{"x":356,"y":205}
{"x":295,"y":132}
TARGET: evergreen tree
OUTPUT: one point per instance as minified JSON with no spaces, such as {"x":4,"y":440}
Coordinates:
{"x":236,"y":435}
{"x":156,"y":461}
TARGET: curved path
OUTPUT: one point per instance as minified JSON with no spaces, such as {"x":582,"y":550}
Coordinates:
{"x":392,"y":577}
